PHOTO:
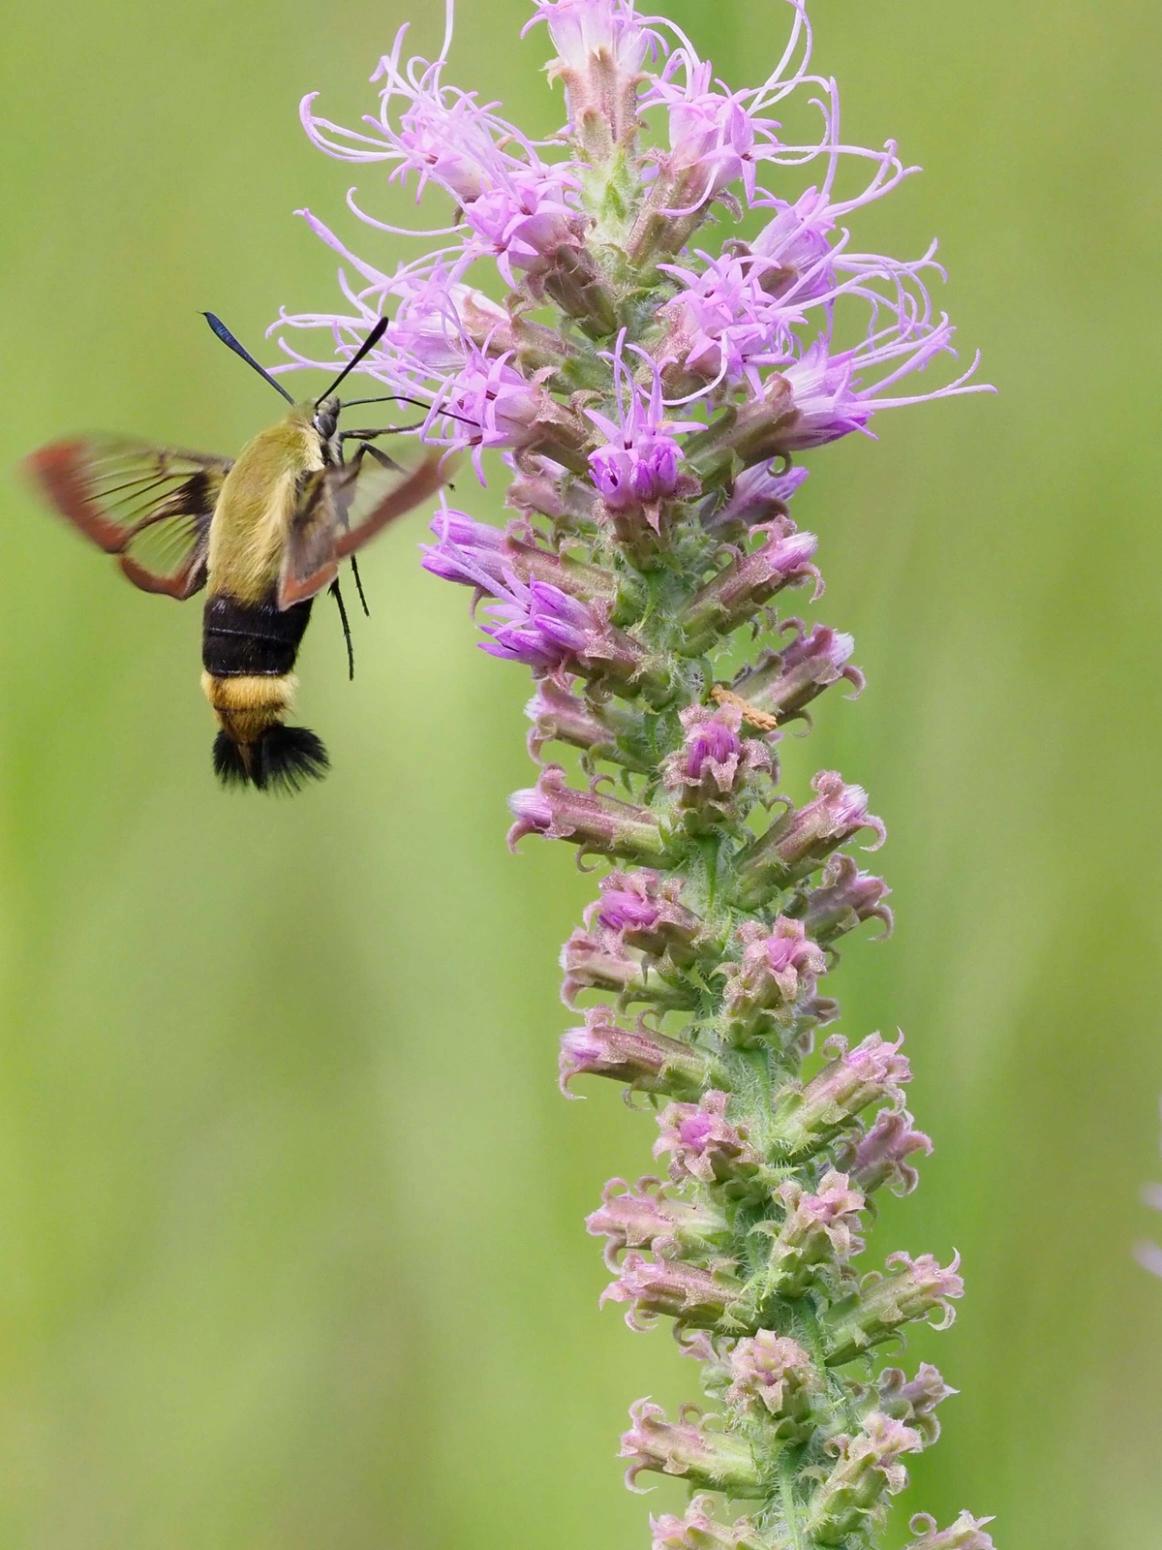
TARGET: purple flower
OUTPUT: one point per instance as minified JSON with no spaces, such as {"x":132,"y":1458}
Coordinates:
{"x":712,"y":134}
{"x":469,"y":552}
{"x":534,"y":622}
{"x":490,"y":404}
{"x":540,"y":625}
{"x":828,"y":392}
{"x":819,"y":1233}
{"x":725,"y":325}
{"x":531,"y":621}
{"x":781,"y":558}
{"x":867,"y":1467}
{"x":516,"y":207}
{"x":558,"y":714}
{"x":638,"y":466}
{"x":644,"y":376}
{"x":598,"y":963}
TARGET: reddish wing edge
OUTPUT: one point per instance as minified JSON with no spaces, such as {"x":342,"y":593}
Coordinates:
{"x":63,"y":473}
{"x":59,"y":470}
{"x":416,"y":488}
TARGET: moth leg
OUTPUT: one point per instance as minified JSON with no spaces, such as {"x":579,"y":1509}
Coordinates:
{"x":359,"y":587}
{"x":345,"y":622}
{"x":365,"y":447}
{"x":384,"y":430}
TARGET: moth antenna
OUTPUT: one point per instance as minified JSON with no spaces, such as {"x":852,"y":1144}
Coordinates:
{"x":369,"y":343}
{"x":229,"y":340}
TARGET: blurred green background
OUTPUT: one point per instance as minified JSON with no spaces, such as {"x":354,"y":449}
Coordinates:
{"x":291,"y":1247}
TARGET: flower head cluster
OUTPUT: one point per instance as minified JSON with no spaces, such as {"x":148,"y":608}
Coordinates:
{"x":646,"y":321}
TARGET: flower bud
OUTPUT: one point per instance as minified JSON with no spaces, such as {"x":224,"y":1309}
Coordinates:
{"x":910,"y":1289}
{"x":775,"y":1373}
{"x":713,"y":1459}
{"x":914,"y":1400}
{"x":967,"y":1533}
{"x":758,"y":495}
{"x":600,"y":51}
{"x":644,"y":908}
{"x":777,"y":967}
{"x":786,"y":681}
{"x":603,"y":962}
{"x":819,"y":1232}
{"x":534,"y":562}
{"x":671,"y":1286}
{"x":878,"y":1157}
{"x":872,"y":1072}
{"x":844,"y":899}
{"x":696,"y":1530}
{"x":540,"y":488}
{"x":639,"y":475}
{"x":594,"y":822}
{"x":469,"y":552}
{"x":570,"y":275}
{"x":650,"y":1216}
{"x":867,"y":1469}
{"x":606,"y":732}
{"x":498,"y":406}
{"x":802,"y":838}
{"x":546,"y":628}
{"x":642,"y":1058}
{"x":714,"y":765}
{"x":705,"y":1145}
{"x":782,"y":558}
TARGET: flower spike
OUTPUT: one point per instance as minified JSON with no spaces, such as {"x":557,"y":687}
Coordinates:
{"x":650,"y":325}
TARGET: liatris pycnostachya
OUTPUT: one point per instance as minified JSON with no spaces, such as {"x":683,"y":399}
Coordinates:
{"x":681,"y":313}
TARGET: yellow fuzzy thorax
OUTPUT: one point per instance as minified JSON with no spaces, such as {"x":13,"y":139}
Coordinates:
{"x":254,"y":511}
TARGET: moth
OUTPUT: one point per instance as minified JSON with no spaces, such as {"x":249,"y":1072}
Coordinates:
{"x":263,"y":534}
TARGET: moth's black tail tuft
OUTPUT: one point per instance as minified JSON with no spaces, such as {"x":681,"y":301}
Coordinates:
{"x":285,"y":757}
{"x":282,"y":760}
{"x":228,"y":763}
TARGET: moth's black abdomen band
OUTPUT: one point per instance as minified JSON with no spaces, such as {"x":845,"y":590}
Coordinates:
{"x":241,"y":640}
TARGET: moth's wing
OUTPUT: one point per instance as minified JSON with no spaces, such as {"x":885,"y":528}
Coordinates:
{"x":338,"y":512}
{"x":151,"y":506}
{"x":309,"y":563}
